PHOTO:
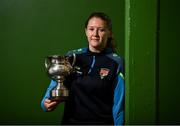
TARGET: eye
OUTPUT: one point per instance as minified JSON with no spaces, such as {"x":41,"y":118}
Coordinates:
{"x":102,"y":30}
{"x":90,"y":29}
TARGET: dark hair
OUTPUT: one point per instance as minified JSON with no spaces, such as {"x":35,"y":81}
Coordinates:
{"x":106,"y":18}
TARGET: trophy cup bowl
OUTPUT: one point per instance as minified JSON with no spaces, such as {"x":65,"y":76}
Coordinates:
{"x":58,"y":67}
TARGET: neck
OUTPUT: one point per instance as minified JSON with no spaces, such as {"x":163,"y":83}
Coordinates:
{"x":96,"y":50}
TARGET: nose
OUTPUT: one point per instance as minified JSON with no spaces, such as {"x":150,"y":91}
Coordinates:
{"x":95,"y":32}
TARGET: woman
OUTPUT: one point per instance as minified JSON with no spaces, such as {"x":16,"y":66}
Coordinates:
{"x":97,"y":87}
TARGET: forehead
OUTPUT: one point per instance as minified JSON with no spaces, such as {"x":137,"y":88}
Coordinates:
{"x":96,"y":21}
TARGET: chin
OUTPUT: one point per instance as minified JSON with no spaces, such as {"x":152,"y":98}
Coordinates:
{"x":95,"y":45}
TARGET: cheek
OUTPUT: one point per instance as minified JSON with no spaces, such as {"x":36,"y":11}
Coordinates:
{"x":104,"y":36}
{"x":88,"y":35}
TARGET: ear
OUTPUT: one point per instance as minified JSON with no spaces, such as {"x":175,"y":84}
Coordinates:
{"x":85,"y":30}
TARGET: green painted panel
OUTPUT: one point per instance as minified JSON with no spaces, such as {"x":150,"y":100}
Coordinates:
{"x":140,"y":55}
{"x":29,"y":31}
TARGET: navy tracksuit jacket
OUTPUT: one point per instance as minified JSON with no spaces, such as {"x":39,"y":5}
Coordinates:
{"x":97,"y":89}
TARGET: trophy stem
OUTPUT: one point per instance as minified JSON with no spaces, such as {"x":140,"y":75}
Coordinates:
{"x":59,"y":83}
{"x":60,"y":90}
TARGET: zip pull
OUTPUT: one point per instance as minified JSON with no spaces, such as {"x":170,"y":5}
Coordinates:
{"x":92,"y":64}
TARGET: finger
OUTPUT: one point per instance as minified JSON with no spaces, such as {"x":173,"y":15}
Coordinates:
{"x":53,"y":103}
{"x":47,"y":100}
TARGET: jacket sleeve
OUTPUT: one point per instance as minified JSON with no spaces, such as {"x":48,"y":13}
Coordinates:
{"x":47,"y":94}
{"x":119,"y":94}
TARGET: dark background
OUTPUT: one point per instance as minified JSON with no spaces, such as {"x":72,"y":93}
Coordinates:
{"x":169,"y":63}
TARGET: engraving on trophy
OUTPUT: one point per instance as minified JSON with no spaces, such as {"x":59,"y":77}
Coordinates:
{"x":58,"y":67}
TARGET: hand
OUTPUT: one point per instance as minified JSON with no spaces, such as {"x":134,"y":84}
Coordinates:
{"x":51,"y":104}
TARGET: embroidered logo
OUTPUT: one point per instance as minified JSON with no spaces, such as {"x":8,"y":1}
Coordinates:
{"x":104,"y":72}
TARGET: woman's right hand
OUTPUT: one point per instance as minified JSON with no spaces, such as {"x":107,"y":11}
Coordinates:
{"x":51,"y":104}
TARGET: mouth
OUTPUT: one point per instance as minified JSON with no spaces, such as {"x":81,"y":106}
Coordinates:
{"x":95,"y":39}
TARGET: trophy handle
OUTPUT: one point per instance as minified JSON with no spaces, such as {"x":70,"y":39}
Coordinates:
{"x":46,"y":62}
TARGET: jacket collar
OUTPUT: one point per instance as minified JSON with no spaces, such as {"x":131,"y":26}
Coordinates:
{"x":105,"y":51}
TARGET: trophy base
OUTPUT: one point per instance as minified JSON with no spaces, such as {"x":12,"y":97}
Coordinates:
{"x":60,"y":93}
{"x":59,"y":98}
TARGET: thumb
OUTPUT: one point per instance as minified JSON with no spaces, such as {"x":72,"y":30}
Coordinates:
{"x":47,"y":100}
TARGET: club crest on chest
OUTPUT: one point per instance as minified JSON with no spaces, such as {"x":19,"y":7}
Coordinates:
{"x":103,"y":72}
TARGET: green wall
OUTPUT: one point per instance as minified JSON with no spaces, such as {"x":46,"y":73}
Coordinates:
{"x":169,"y":63}
{"x":140,"y":57}
{"x":29,"y":31}
{"x":152,"y":61}
{"x":146,"y":32}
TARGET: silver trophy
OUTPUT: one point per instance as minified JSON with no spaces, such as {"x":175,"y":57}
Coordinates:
{"x":58,"y":67}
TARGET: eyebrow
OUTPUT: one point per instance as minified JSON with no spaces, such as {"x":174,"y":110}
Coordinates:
{"x":95,"y":27}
